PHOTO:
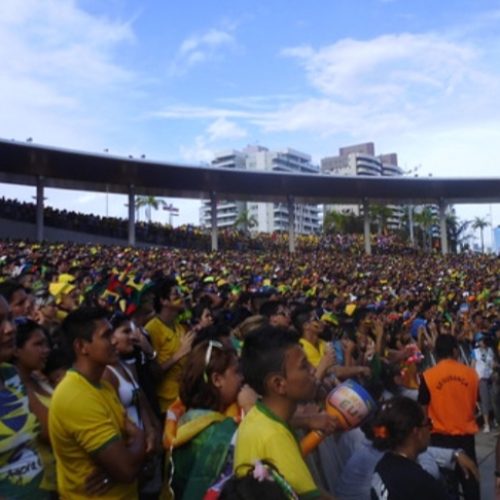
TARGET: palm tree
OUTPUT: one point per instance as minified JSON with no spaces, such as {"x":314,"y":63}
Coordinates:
{"x":334,"y":221}
{"x":380,"y":214}
{"x":426,"y":220}
{"x":456,"y":229}
{"x":480,"y":223}
{"x":148,"y":202}
{"x":246,"y":220}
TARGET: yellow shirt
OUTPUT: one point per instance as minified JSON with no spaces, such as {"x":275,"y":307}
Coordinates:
{"x":264,"y":436}
{"x":166,"y":343}
{"x":313,"y":354}
{"x":83,"y":419}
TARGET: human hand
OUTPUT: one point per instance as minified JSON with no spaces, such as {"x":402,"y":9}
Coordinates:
{"x":186,"y":344}
{"x":365,"y":371}
{"x":378,"y":327}
{"x":467,"y":465}
{"x":322,"y":421}
{"x":151,"y":442}
{"x":97,"y":483}
{"x":142,"y":342}
{"x":131,"y":431}
{"x":327,"y":361}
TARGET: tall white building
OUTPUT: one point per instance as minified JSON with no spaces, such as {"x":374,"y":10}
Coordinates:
{"x":360,"y":159}
{"x":269,"y":217}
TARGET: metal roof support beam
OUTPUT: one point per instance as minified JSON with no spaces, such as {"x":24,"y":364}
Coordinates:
{"x":213,"y":215}
{"x":39,"y":208}
{"x":291,"y":224}
{"x":131,"y":215}
{"x":366,"y":226}
{"x":442,"y":226}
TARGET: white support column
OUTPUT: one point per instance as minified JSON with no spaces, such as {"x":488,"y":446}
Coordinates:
{"x":410,"y":224}
{"x":131,"y":215}
{"x":213,"y":215}
{"x":366,"y":226}
{"x":291,"y":224}
{"x":442,"y":227}
{"x":39,"y":208}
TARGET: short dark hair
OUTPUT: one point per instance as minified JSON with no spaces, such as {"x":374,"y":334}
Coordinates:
{"x":9,"y":288}
{"x":196,"y":389}
{"x":58,"y":359}
{"x":162,"y":291}
{"x":80,"y":324}
{"x":301,"y":316}
{"x":25,"y":329}
{"x":445,"y":344}
{"x":264,"y":353}
{"x":269,"y":308}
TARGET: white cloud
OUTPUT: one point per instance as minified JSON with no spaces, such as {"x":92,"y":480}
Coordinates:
{"x":58,"y":67}
{"x":225,"y":129}
{"x":201,"y":48}
{"x":353,"y":69}
{"x":372,"y":88}
{"x":199,"y":152}
{"x":212,"y":139}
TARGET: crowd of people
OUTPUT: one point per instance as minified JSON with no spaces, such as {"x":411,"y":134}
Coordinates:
{"x":189,"y":236}
{"x":178,"y":373}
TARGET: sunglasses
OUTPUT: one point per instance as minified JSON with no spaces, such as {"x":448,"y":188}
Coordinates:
{"x":208,"y":356}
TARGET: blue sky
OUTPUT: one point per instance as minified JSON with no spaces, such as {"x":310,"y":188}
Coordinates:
{"x":178,"y":81}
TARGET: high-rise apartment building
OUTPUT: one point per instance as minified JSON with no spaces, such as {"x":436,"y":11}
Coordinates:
{"x":360,"y":159}
{"x":268,"y":217}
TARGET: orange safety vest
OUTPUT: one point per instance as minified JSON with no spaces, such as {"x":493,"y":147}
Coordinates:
{"x":453,"y":388}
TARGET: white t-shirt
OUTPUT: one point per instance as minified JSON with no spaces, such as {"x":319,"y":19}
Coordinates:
{"x":484,"y":359}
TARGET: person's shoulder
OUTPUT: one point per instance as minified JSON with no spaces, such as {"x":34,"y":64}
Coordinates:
{"x":10,"y":377}
{"x":73,"y":393}
{"x":153,"y":324}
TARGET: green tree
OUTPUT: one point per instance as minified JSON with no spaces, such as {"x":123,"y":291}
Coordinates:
{"x":426,"y":220}
{"x":456,"y":230}
{"x":246,"y":221}
{"x":334,"y":222}
{"x":380,"y":214}
{"x":148,"y":202}
{"x":480,"y":223}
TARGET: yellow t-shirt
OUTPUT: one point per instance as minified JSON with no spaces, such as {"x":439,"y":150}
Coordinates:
{"x":313,"y":354}
{"x":166,"y":343}
{"x":83,"y":419}
{"x":264,"y":436}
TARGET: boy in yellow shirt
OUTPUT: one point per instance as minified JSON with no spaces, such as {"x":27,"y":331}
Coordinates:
{"x":170,"y":341}
{"x":275,"y":366}
{"x":98,"y":451}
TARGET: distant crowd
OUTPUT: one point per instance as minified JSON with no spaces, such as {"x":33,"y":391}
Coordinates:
{"x":189,"y":236}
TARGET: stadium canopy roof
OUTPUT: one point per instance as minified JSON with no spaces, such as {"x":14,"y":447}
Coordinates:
{"x":22,"y":163}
